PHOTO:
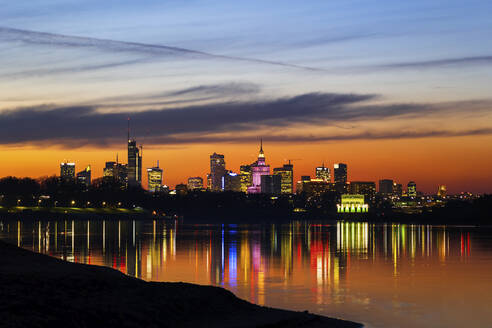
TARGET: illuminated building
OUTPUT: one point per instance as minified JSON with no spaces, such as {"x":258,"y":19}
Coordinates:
{"x":271,"y":184}
{"x":84,"y":176}
{"x":116,"y":170}
{"x":258,"y":169}
{"x":352,"y":204}
{"x":286,"y":174}
{"x":134,"y":167}
{"x":181,"y":189}
{"x":386,"y":187}
{"x":365,"y":188}
{"x":323,"y":173}
{"x":246,"y":177}
{"x":67,"y":171}
{"x":209,"y":181}
{"x":441,"y":191}
{"x":340,"y":176}
{"x":231,"y":182}
{"x":154,"y":178}
{"x":315,"y":187}
{"x":397,"y":189}
{"x":412,"y":189}
{"x":217,"y":171}
{"x":305,"y":178}
{"x":195,"y":183}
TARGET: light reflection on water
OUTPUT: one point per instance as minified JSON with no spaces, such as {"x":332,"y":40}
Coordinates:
{"x":384,"y":275}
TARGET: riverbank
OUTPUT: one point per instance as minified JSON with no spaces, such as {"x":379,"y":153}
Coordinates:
{"x":41,"y":291}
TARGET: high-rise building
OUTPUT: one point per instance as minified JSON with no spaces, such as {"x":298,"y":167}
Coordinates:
{"x":340,"y":173}
{"x":134,"y":163}
{"x":397,"y":189}
{"x":84,"y":176}
{"x":67,"y":171}
{"x":412,"y":189}
{"x":271,"y":184}
{"x":116,"y":170}
{"x":246,"y":177}
{"x":231,"y":182}
{"x":340,"y":176}
{"x":442,"y":191}
{"x":195,"y":183}
{"x":386,"y":187}
{"x":366,"y":188}
{"x":287,"y":178}
{"x":258,"y":169}
{"x":154,"y":178}
{"x":217,"y":171}
{"x":323,"y":173}
{"x":305,"y":178}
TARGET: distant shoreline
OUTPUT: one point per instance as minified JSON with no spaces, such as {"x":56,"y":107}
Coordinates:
{"x":43,"y":291}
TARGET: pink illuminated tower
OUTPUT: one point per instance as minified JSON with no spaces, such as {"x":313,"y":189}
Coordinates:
{"x":258,"y":169}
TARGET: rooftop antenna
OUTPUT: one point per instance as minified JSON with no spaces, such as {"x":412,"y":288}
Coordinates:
{"x":157,"y":163}
{"x":128,"y":128}
{"x":116,"y":158}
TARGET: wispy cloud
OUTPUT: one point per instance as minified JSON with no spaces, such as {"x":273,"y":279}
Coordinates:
{"x":156,"y":51}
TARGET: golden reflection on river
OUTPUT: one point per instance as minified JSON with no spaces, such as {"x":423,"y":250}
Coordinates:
{"x":384,"y":275}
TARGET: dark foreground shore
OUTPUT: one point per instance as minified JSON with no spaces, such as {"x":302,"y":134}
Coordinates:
{"x":39,"y":291}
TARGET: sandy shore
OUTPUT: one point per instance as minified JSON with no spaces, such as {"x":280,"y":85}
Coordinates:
{"x":40,"y":291}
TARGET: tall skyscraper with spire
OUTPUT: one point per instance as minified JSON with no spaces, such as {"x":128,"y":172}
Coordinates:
{"x":134,"y":161}
{"x":258,"y":169}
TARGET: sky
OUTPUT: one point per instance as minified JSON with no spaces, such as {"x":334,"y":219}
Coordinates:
{"x":398,"y":90}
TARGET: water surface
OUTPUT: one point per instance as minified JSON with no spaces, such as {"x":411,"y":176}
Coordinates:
{"x":383,"y":275}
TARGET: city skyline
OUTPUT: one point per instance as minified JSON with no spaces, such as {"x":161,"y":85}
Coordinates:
{"x":357,"y":83}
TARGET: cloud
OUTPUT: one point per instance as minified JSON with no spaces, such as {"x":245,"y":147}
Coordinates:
{"x":80,"y":125}
{"x":150,"y":50}
{"x":445,"y":62}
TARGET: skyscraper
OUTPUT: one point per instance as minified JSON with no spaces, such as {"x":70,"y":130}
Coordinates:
{"x":258,"y":169}
{"x":412,"y":189}
{"x":340,"y":176}
{"x":84,"y":176}
{"x":217,"y":171}
{"x":67,"y":171}
{"x":323,"y":173}
{"x":195,"y":183}
{"x":287,"y":178}
{"x":246,"y":177}
{"x":231,"y":182}
{"x":340,"y":173}
{"x":386,"y":187}
{"x":116,"y":170}
{"x":154,"y":177}
{"x":134,"y":164}
{"x":271,"y":184}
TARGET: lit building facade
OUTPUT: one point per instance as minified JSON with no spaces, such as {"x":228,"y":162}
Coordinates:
{"x":84,"y":176}
{"x":134,"y":167}
{"x":67,"y":171}
{"x":315,"y":187}
{"x":195,"y":183}
{"x":116,"y":170}
{"x":365,"y":188}
{"x":154,"y":178}
{"x":286,"y":174}
{"x":412,"y":189}
{"x":258,"y":169}
{"x":231,"y":182}
{"x":352,"y":204}
{"x":246,"y":177}
{"x":397,"y":189}
{"x":217,"y":171}
{"x":323,"y":173}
